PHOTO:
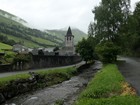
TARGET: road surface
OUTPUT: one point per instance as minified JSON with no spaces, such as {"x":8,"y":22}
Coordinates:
{"x":131,"y":71}
{"x":27,"y":71}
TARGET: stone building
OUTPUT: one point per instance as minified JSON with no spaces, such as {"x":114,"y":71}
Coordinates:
{"x":20,"y":48}
{"x":68,"y":48}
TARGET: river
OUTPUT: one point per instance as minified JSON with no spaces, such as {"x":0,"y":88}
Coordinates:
{"x":66,"y":91}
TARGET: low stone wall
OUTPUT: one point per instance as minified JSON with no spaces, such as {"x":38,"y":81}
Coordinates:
{"x":53,"y":61}
{"x":6,"y":67}
{"x":41,"y":61}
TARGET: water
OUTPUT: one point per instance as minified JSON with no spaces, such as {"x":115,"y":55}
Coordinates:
{"x":66,"y":91}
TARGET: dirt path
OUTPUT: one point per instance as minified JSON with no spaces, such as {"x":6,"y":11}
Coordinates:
{"x":67,"y":91}
{"x":131,"y":71}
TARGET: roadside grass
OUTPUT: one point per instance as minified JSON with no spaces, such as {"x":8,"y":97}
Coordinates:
{"x":6,"y":80}
{"x":108,"y":87}
{"x":53,"y":76}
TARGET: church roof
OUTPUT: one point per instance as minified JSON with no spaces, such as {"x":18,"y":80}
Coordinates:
{"x":69,"y":32}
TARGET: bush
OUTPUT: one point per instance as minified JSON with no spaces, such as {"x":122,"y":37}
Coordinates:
{"x":107,"y":51}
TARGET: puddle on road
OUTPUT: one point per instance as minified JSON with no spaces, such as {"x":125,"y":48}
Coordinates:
{"x":66,"y":91}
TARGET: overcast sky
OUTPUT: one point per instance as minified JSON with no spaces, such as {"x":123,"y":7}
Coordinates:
{"x":53,"y":14}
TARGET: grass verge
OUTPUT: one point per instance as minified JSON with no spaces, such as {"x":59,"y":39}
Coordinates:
{"x":64,"y":73}
{"x":108,"y":88}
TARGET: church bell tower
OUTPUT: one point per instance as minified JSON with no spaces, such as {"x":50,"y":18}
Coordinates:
{"x":69,"y":39}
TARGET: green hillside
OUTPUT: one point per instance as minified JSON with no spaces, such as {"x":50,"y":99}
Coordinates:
{"x":12,"y":31}
{"x":5,"y":46}
{"x":78,"y":34}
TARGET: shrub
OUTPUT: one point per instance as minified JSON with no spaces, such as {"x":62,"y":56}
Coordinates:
{"x":107,"y":51}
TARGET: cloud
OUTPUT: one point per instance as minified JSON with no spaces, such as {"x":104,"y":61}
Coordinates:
{"x":52,"y":14}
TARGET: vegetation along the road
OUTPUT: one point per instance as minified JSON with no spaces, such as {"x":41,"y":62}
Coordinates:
{"x":108,"y":87}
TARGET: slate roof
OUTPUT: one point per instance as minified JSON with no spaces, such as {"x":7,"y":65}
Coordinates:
{"x":69,"y":32}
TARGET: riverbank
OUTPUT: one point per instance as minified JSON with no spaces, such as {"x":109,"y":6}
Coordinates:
{"x":108,"y":87}
{"x":12,"y":86}
{"x":65,"y":92}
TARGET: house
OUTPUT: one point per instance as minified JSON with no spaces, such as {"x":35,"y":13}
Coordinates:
{"x":20,"y":48}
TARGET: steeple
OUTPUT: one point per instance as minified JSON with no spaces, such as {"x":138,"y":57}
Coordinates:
{"x":69,"y":32}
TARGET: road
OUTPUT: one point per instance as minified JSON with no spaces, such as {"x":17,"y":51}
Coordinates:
{"x":131,"y":71}
{"x":26,"y":71}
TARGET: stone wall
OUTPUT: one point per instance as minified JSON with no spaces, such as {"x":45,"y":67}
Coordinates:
{"x":53,"y":61}
{"x":5,"y":68}
{"x":41,"y":61}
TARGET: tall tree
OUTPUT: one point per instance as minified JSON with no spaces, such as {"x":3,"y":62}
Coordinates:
{"x":110,"y":15}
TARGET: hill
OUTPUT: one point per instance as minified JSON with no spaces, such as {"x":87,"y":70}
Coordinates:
{"x":5,"y":46}
{"x":13,"y":30}
{"x":78,"y":34}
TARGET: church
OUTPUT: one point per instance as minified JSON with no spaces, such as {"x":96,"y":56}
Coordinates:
{"x":68,"y":49}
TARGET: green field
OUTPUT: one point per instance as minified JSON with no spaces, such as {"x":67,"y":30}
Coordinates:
{"x":43,"y":41}
{"x":4,"y":46}
{"x":108,"y":87}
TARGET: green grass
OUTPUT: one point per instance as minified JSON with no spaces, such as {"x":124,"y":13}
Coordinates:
{"x":65,"y":72}
{"x":68,"y":71}
{"x":5,"y":46}
{"x":6,"y":80}
{"x":43,"y":41}
{"x":120,"y":100}
{"x":108,"y":87}
{"x":27,"y":43}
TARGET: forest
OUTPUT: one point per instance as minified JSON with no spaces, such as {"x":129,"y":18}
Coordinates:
{"x":114,"y":31}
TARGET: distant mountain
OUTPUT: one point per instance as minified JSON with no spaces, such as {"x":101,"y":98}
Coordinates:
{"x":78,"y":34}
{"x":12,"y":17}
{"x":13,"y":30}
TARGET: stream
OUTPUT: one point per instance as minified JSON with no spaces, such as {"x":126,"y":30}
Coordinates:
{"x":67,"y":91}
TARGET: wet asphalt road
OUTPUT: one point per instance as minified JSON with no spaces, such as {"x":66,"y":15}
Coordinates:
{"x":131,"y":71}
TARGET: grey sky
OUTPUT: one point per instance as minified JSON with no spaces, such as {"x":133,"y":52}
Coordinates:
{"x":53,"y":14}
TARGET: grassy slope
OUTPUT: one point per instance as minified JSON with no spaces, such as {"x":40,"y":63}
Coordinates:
{"x":108,"y":88}
{"x":26,"y":42}
{"x":43,"y":41}
{"x":8,"y":21}
{"x":5,"y":46}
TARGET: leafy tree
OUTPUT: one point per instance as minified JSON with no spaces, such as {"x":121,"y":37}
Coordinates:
{"x":107,"y":51}
{"x":110,"y":15}
{"x":85,"y":49}
{"x":91,"y":29}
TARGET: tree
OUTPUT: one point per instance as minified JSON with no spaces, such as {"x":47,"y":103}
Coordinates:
{"x":110,"y":15}
{"x":107,"y":51}
{"x":91,"y":29}
{"x":85,"y":49}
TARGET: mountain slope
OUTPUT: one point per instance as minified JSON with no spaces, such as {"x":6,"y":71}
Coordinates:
{"x":12,"y":31}
{"x":12,"y":17}
{"x":78,"y":34}
{"x":5,"y":46}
